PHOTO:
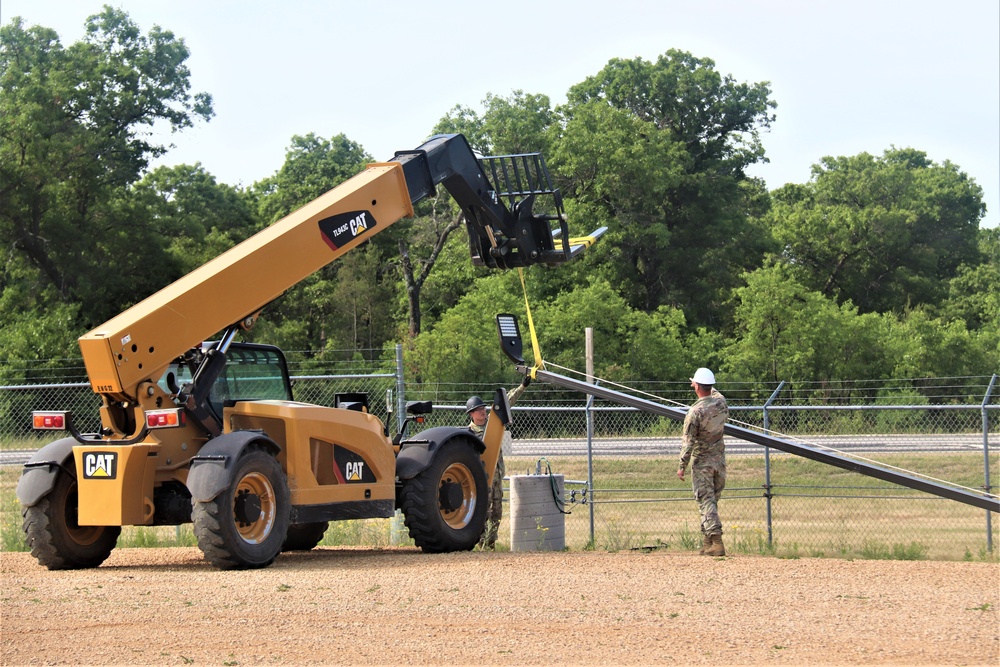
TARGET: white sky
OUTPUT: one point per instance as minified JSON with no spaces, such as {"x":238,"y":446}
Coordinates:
{"x":849,"y":76}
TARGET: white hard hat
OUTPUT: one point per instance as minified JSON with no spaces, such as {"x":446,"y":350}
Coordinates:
{"x":704,"y":376}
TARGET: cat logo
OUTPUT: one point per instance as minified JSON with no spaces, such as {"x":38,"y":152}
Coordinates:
{"x":100,"y":465}
{"x":354,"y":471}
{"x":343,"y":228}
{"x":350,"y":467}
{"x":358,"y":224}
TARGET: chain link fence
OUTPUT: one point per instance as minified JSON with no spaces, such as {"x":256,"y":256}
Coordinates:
{"x":312,"y":382}
{"x":621,"y":490}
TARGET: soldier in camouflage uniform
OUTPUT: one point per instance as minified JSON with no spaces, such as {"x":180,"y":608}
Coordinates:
{"x":704,"y":448}
{"x":476,"y":409}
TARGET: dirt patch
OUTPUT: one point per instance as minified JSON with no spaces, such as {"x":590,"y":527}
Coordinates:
{"x":362,"y":606}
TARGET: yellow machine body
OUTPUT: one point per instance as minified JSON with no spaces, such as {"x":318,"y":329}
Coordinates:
{"x":115,"y":484}
{"x":330,"y":455}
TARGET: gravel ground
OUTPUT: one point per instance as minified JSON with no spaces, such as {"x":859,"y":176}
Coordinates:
{"x":400,"y":606}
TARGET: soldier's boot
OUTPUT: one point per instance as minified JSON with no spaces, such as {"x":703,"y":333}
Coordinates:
{"x":717,"y":548}
{"x":706,"y":544}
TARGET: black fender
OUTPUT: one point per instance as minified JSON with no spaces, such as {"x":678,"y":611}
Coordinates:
{"x":39,"y":475}
{"x":416,"y":453}
{"x":208,"y":474}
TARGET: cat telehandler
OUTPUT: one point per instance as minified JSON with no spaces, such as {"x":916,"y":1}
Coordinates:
{"x":208,"y":433}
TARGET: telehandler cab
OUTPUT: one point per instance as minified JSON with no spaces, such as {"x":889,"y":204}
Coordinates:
{"x":209,"y":434}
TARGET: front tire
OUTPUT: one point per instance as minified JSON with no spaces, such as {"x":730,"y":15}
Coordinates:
{"x":54,"y":536}
{"x":245,"y":526}
{"x":445,"y":504}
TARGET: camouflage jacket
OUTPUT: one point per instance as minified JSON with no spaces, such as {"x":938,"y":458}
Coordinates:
{"x":703,"y":426}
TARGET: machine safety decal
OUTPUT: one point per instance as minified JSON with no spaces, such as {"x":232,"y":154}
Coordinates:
{"x":100,"y":465}
{"x":351,"y":467}
{"x":342,"y":228}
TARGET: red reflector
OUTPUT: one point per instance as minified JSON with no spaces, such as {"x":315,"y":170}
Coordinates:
{"x":49,"y":420}
{"x":164,"y":418}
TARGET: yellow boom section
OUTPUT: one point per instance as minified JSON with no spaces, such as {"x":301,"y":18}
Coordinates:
{"x":141,"y":342}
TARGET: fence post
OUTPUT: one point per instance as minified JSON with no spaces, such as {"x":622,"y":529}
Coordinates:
{"x":589,"y":347}
{"x":400,"y":389}
{"x":396,"y":524}
{"x":767,"y":461}
{"x":986,"y":459}
{"x":590,"y":462}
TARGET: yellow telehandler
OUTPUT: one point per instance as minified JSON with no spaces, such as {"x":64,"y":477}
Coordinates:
{"x":210,"y":434}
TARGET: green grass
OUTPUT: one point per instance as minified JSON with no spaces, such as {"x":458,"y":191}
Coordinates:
{"x":638,"y":503}
{"x":10,"y":443}
{"x":817,"y":510}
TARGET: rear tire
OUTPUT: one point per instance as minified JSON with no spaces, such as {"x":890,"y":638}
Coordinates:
{"x":54,"y":536}
{"x":304,"y":536}
{"x":445,"y":504}
{"x":245,"y":526}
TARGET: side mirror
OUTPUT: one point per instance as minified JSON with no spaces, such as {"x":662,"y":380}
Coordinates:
{"x":419,"y":407}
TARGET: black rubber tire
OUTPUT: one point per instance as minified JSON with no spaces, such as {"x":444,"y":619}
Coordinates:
{"x":435,"y":527}
{"x":53,"y":535}
{"x":304,"y":536}
{"x":231,"y":544}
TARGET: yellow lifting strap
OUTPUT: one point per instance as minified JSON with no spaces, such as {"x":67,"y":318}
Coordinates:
{"x":585,"y":241}
{"x":531,"y":327}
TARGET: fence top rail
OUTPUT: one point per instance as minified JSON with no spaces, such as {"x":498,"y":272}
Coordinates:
{"x":64,"y":385}
{"x":81,"y":385}
{"x":737,"y":408}
{"x":583,"y":408}
{"x":341,"y":377}
{"x":786,"y":408}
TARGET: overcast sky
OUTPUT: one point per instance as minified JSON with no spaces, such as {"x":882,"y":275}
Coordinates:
{"x":849,"y":76}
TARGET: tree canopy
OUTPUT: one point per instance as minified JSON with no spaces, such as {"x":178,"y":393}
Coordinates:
{"x":76,"y":134}
{"x":658,"y":153}
{"x":883,"y":232}
{"x":876,"y":267}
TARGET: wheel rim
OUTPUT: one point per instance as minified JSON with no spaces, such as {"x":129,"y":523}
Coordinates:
{"x":83,"y":536}
{"x":255,"y":488}
{"x":459,"y":475}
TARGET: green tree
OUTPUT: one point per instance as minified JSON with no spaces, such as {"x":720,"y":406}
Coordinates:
{"x":519,"y":123}
{"x":973,"y":294}
{"x":921,"y":345}
{"x":629,"y":345}
{"x":35,"y":324}
{"x":885,"y":233}
{"x":362,"y":299}
{"x":785,"y":331}
{"x":515,"y":124}
{"x":76,"y":133}
{"x":658,"y":152}
{"x":420,"y":242}
{"x":313,"y":165}
{"x":461,"y":347}
{"x":307,"y":316}
{"x":201,"y":217}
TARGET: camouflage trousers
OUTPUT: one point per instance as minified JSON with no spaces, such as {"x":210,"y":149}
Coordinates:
{"x":708,"y":480}
{"x":494,"y":508}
